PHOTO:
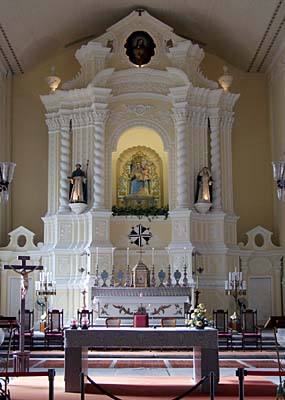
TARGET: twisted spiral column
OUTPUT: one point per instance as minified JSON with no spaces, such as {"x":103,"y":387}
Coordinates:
{"x":64,"y":168}
{"x":180,"y":117}
{"x":216,"y":160}
{"x":227,"y":184}
{"x":99,"y":160}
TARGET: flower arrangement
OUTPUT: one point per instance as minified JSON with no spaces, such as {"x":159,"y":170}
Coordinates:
{"x":198,"y":318}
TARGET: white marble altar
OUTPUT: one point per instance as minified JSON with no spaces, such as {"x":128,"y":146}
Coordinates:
{"x":158,"y":302}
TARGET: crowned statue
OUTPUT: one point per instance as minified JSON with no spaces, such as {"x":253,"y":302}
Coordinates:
{"x":140,"y":178}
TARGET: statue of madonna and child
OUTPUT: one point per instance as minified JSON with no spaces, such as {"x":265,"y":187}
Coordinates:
{"x":140,"y":178}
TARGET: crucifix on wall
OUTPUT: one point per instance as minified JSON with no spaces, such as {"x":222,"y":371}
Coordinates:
{"x":22,"y":358}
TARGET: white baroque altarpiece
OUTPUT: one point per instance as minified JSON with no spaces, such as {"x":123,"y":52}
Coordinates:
{"x":114,"y":115}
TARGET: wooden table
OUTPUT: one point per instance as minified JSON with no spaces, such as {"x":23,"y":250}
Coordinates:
{"x":204,"y":344}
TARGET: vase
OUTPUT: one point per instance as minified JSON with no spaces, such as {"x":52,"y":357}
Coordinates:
{"x":199,"y":327}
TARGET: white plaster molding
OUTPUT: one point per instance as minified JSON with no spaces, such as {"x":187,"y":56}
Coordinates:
{"x":142,"y":80}
{"x":121,"y":125}
{"x":65,"y":101}
{"x":138,"y":109}
{"x":13,"y":244}
{"x":251,"y":240}
{"x":92,"y":58}
{"x":202,"y":80}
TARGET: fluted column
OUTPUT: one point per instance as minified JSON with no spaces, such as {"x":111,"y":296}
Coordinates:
{"x":64,"y":170}
{"x":216,"y":160}
{"x":99,"y":160}
{"x":181,"y":114}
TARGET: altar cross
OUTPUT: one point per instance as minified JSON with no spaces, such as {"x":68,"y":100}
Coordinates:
{"x":140,"y":235}
{"x":24,"y":270}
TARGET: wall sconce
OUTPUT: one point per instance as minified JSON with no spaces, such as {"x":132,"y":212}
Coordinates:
{"x":6,"y":176}
{"x":279,"y":177}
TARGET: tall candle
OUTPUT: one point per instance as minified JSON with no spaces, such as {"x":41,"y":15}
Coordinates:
{"x":197,"y":283}
{"x":128,"y":256}
{"x":113,"y":255}
{"x":152,"y":256}
{"x":184,"y":255}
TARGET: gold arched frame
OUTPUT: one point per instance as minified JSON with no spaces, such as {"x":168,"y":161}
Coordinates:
{"x":144,"y":137}
{"x":148,"y":157}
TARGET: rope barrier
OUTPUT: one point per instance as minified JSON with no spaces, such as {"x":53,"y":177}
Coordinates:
{"x":241,"y":373}
{"x":6,"y":375}
{"x":111,"y":396}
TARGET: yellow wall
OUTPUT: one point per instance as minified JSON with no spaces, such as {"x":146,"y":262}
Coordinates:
{"x":252,"y":171}
{"x":251,"y":145}
{"x":276,"y":77}
{"x":30,"y":142}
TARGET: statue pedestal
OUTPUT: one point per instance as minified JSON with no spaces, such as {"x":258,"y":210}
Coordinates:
{"x":203,"y":207}
{"x":134,"y":201}
{"x":78,"y":208}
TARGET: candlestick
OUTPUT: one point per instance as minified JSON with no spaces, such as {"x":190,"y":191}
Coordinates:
{"x":235,"y":287}
{"x":113,"y":248}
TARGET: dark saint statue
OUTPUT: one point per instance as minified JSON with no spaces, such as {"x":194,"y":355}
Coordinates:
{"x":204,"y":186}
{"x":78,"y":185}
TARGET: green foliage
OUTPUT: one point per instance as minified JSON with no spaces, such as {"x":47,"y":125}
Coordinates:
{"x":149,"y":212}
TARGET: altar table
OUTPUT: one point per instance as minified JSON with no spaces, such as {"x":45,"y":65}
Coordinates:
{"x":204,"y":343}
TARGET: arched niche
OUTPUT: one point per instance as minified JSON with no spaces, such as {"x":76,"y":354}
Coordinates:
{"x":145,"y":143}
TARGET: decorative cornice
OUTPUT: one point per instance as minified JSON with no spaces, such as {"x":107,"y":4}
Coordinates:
{"x":77,"y":98}
{"x":133,"y":292}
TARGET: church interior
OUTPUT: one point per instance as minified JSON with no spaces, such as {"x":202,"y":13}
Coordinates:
{"x":142,"y":162}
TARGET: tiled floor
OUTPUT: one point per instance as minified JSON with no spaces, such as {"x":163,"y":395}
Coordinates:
{"x":157,"y":363}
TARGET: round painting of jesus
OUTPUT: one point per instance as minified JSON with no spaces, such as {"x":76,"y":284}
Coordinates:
{"x":140,"y":48}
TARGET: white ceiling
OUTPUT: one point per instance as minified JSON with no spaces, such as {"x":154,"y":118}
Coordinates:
{"x":245,"y":33}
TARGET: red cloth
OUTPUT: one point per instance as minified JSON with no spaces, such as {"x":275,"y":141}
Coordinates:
{"x":141,"y":320}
